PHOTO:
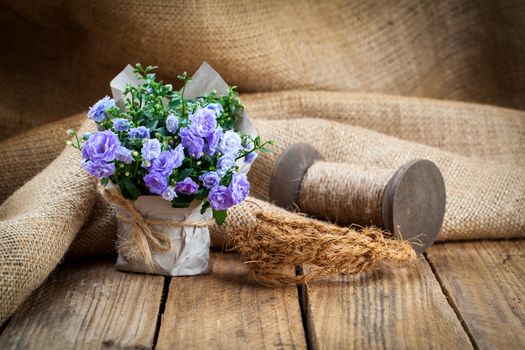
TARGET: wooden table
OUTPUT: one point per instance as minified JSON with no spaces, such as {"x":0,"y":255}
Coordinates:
{"x":458,"y":296}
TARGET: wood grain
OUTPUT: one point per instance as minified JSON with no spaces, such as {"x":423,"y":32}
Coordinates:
{"x":87,"y":305}
{"x":90,"y":305}
{"x":228,"y":310}
{"x":391,"y":308}
{"x":486,"y":282}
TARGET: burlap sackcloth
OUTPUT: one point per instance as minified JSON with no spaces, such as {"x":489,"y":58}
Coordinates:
{"x":454,"y":50}
{"x":64,"y":54}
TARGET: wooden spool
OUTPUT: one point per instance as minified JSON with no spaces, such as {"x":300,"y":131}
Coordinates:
{"x":412,"y":203}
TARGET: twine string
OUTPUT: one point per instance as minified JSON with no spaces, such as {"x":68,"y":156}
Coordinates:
{"x":344,"y":193}
{"x":143,"y":238}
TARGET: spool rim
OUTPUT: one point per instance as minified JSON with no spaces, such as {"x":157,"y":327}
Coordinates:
{"x":414,"y":203}
{"x":288,"y":173}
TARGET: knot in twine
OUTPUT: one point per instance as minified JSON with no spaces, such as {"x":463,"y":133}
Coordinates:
{"x":143,"y":239}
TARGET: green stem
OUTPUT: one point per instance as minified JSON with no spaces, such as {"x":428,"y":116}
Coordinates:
{"x":252,"y":150}
{"x":136,"y":167}
{"x":77,"y":145}
{"x":183,"y":102}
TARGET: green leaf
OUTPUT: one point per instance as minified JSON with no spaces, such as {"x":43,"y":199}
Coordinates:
{"x":204,"y":207}
{"x":182,"y":175}
{"x":128,"y":188}
{"x":226,"y":179}
{"x":265,"y":150}
{"x":182,"y":201}
{"x":153,"y":124}
{"x":174,"y":103}
{"x":104,"y":181}
{"x":228,"y":124}
{"x":220,"y":216}
{"x":202,"y":193}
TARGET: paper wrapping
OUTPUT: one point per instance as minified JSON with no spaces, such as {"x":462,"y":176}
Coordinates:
{"x":191,"y":245}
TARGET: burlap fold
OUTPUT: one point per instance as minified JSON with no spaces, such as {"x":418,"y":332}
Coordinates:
{"x":38,"y":223}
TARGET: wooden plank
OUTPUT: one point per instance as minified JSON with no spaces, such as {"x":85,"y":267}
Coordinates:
{"x":227,"y":309}
{"x":391,"y":308}
{"x":486,"y":282}
{"x":85,"y":306}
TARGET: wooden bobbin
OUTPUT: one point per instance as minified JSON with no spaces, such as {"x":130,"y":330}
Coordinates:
{"x":413,"y":203}
{"x":288,"y":173}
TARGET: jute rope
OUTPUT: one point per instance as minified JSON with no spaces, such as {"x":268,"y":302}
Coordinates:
{"x":143,"y":239}
{"x":344,"y":193}
{"x":277,"y":244}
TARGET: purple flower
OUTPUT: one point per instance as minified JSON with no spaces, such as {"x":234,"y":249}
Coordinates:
{"x":178,"y":155}
{"x":210,"y":179}
{"x":98,"y":169}
{"x":120,"y":124}
{"x":220,"y":198}
{"x":165,"y":163}
{"x":139,"y":133}
{"x":191,"y":143}
{"x":156,"y":183}
{"x":150,"y":150}
{"x":172,"y":123}
{"x":187,"y":186}
{"x":101,"y":146}
{"x":216,"y":108}
{"x":225,"y":163}
{"x":149,"y":90}
{"x":230,"y":143}
{"x":250,"y":157}
{"x":239,"y":188}
{"x":97,"y":112}
{"x":169,"y":193}
{"x":203,"y":122}
{"x":124,"y":155}
{"x":212,"y":142}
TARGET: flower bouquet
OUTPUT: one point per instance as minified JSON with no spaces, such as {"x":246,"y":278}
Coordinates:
{"x":172,"y":162}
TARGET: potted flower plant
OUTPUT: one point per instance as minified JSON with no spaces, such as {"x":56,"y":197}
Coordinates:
{"x":172,"y":162}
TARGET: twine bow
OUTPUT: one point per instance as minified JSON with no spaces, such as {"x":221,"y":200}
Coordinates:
{"x":143,"y":238}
